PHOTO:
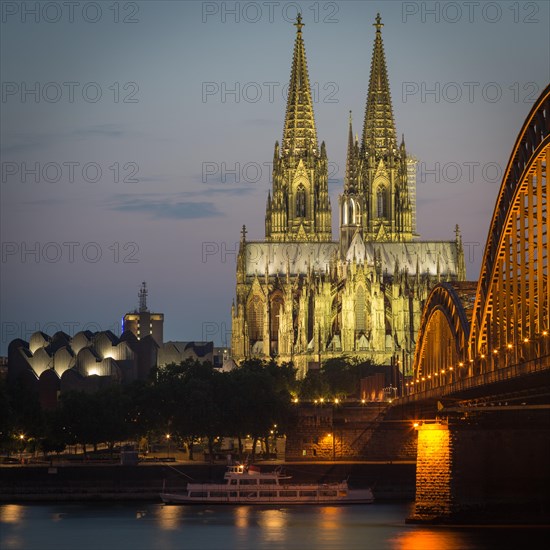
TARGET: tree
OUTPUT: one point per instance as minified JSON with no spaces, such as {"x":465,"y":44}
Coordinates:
{"x":265,"y":389}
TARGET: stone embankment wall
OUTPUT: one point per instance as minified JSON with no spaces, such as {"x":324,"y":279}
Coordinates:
{"x":328,"y":432}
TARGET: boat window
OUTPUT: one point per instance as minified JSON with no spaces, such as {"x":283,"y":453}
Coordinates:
{"x":308,"y":493}
{"x":288,"y":493}
{"x":267,"y":481}
{"x":197,"y":494}
{"x":233,"y":494}
{"x":249,"y":481}
{"x":218,"y":494}
{"x":233,"y":482}
{"x":328,"y":493}
{"x":268,"y":493}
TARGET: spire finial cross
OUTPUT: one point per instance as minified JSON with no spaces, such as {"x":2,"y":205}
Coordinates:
{"x":299,"y":23}
{"x":378,"y":23}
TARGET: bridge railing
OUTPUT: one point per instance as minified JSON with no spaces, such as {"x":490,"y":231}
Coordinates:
{"x":499,"y":375}
{"x":485,"y":379}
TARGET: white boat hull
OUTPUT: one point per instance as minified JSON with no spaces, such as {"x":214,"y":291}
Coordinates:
{"x":353,"y":496}
{"x":247,"y":485}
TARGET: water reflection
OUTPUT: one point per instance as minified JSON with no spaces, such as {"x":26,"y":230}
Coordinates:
{"x":433,"y":539}
{"x":170,"y":517}
{"x":273,"y":524}
{"x":11,"y":513}
{"x":330,"y":521}
{"x":242,"y":517}
{"x":132,"y":526}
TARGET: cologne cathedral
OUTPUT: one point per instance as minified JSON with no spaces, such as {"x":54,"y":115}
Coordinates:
{"x":302,"y":296}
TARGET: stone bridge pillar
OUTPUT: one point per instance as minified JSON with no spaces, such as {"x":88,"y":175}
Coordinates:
{"x":484,"y":468}
{"x":433,"y":473}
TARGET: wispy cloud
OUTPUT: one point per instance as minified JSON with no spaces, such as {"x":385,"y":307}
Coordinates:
{"x":103,"y":130}
{"x":17,"y":142}
{"x":21,"y":143}
{"x":165,"y":206}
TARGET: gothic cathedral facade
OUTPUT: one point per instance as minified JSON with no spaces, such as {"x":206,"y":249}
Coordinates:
{"x":303,"y":297}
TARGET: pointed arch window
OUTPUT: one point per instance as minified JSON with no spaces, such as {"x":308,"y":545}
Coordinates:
{"x":381,"y":203}
{"x":356,"y":219}
{"x":351,"y":214}
{"x":276,"y":312}
{"x":360,"y":305}
{"x":301,"y":202}
{"x":255,"y":319}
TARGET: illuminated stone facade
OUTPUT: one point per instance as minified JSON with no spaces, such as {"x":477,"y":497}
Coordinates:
{"x":304,"y":297}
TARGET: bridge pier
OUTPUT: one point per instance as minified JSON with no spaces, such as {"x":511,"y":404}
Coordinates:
{"x":484,"y":468}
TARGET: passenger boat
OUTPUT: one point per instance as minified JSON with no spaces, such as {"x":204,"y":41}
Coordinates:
{"x":248,"y":485}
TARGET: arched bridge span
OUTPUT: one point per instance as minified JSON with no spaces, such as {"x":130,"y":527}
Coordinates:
{"x":505,"y":321}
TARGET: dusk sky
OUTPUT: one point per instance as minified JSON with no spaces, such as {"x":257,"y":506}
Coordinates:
{"x":144,"y":110}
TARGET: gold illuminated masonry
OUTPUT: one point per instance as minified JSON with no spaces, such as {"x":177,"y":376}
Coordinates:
{"x":302,"y":296}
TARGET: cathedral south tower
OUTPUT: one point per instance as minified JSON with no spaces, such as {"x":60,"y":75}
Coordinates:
{"x":378,"y":184}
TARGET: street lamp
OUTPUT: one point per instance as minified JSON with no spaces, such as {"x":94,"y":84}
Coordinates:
{"x":168,"y":439}
{"x":526,"y":350}
{"x":333,"y":446}
{"x":21,"y":440}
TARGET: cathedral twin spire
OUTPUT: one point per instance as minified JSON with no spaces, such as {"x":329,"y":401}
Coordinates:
{"x":375,"y":199}
{"x":299,"y":133}
{"x":377,"y":186}
{"x":299,"y":209}
{"x":379,"y":134}
{"x":350,"y":178}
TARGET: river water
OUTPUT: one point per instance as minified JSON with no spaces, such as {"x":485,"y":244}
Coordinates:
{"x":145,"y":526}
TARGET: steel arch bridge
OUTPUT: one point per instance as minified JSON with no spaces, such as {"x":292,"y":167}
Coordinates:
{"x":504,"y":319}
